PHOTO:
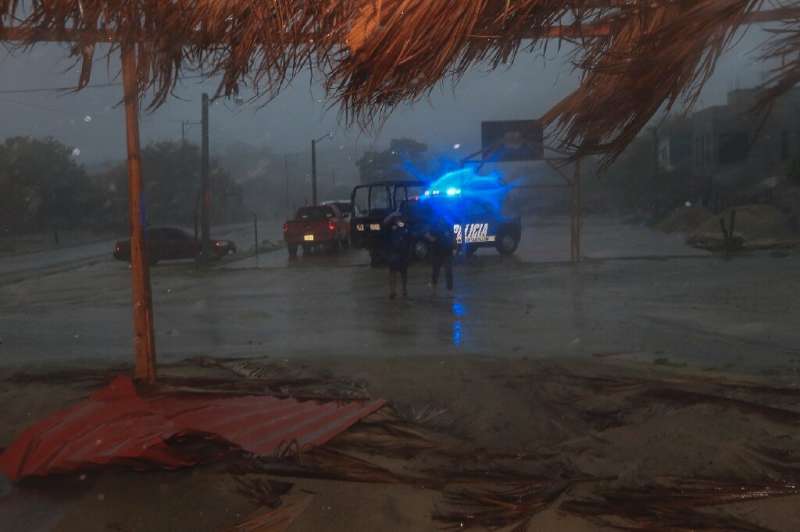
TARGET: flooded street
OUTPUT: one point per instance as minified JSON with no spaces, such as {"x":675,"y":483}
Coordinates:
{"x":679,"y":306}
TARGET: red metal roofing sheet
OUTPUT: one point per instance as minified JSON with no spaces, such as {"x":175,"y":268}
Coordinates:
{"x":118,"y":426}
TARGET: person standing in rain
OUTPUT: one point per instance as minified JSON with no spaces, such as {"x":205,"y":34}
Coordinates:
{"x":398,"y":252}
{"x":442,"y":243}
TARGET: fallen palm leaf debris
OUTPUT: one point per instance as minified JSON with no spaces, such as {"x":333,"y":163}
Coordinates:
{"x":282,"y":380}
{"x":424,"y":444}
{"x":265,"y":492}
{"x":257,"y":378}
{"x":512,"y":506}
{"x":686,"y":397}
{"x":674,"y":504}
{"x":275,"y":519}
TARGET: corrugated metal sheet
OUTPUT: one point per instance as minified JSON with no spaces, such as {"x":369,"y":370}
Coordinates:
{"x":117,"y":426}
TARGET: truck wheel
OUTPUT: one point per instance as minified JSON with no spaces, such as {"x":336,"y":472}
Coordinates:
{"x":507,"y":244}
{"x":292,"y":250}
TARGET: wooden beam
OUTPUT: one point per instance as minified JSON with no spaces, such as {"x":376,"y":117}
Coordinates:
{"x":15,"y":34}
{"x":144,"y":339}
{"x":591,"y":30}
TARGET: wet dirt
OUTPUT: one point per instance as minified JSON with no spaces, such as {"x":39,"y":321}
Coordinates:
{"x":635,"y":428}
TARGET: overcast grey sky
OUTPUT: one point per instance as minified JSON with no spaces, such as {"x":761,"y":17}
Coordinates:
{"x":92,"y":122}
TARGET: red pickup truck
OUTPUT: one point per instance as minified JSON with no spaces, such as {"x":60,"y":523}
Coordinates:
{"x":318,"y":227}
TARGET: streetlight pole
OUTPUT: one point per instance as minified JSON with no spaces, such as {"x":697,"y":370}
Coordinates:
{"x":313,"y":171}
{"x":314,"y":165}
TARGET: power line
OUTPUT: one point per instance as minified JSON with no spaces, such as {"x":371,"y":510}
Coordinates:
{"x":74,"y":89}
{"x":38,"y":107}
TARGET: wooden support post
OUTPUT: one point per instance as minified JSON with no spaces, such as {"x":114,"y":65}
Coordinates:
{"x":144,"y":339}
{"x":574,"y":211}
{"x":205,"y":186}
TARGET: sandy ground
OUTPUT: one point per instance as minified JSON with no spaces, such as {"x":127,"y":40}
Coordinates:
{"x":600,"y":427}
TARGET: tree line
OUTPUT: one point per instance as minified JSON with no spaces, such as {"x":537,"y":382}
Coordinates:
{"x":43,"y":187}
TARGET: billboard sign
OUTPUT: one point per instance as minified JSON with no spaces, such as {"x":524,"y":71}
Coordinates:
{"x":512,"y":140}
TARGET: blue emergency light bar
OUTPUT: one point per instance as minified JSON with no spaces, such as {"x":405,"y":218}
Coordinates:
{"x":450,"y":192}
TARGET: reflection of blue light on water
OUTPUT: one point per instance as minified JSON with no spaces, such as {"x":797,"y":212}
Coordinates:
{"x":458,"y":327}
{"x":457,"y":333}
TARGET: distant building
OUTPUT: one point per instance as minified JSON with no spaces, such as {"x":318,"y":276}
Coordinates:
{"x":675,"y":145}
{"x":727,"y":148}
{"x":737,"y":147}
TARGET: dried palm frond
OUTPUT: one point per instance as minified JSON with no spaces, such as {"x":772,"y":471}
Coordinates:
{"x":262,"y":491}
{"x":264,"y":42}
{"x":401,"y":51}
{"x":784,"y":46}
{"x":654,"y":58}
{"x":636,"y":56}
{"x":688,"y":397}
{"x":674,"y":505}
{"x":495,"y":508}
{"x":275,"y":519}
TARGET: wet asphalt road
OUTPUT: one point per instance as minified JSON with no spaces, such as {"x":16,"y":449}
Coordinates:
{"x":14,"y":267}
{"x":23,"y":264}
{"x":664,"y":302}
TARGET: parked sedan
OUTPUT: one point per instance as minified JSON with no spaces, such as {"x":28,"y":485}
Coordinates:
{"x":169,"y":243}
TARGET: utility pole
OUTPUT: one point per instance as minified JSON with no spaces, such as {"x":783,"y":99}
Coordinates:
{"x":205,"y":187}
{"x":144,"y":339}
{"x":313,"y":171}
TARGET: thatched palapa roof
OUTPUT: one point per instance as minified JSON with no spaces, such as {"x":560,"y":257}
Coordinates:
{"x":634,"y":56}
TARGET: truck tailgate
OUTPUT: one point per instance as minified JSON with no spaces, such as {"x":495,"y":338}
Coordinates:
{"x":298,"y":231}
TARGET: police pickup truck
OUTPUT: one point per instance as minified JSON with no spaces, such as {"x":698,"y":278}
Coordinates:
{"x":476,"y":222}
{"x":371,"y":204}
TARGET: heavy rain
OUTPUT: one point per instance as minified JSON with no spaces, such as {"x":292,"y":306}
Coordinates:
{"x":401,"y":265}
